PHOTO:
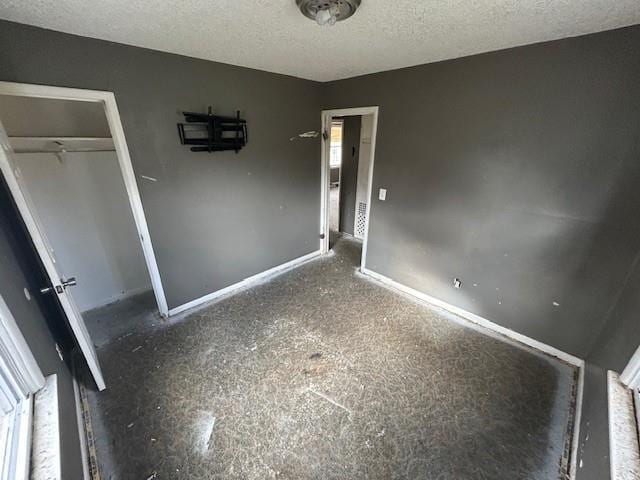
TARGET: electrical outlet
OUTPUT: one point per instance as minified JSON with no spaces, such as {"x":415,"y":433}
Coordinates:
{"x":382,"y":194}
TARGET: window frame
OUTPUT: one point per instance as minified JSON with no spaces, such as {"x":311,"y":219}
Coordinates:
{"x":20,"y":378}
{"x":631,"y":374}
{"x":336,"y":123}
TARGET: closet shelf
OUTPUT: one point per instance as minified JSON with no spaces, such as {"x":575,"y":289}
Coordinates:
{"x":61,"y":144}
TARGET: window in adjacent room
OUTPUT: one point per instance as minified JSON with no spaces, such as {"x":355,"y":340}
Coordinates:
{"x":336,"y":144}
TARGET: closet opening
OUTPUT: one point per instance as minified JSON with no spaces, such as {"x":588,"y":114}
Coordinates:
{"x":67,"y":167}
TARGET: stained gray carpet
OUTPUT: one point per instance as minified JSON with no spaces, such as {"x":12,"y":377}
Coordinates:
{"x":323,"y":374}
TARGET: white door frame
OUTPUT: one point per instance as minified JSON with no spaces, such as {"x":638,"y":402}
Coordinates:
{"x":108,"y":100}
{"x":327,"y":115}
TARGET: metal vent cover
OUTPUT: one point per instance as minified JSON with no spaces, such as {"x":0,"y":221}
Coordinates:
{"x":361,"y":220}
{"x":344,"y":8}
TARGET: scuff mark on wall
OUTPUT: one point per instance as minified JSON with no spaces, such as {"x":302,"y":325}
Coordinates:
{"x":309,"y":134}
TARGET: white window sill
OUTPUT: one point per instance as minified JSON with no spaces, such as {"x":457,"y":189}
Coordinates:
{"x":45,"y":447}
{"x":623,"y":431}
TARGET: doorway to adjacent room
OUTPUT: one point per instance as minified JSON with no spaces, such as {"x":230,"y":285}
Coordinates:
{"x":348,"y":152}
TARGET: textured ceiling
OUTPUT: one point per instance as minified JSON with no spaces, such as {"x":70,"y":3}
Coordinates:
{"x":273,"y":35}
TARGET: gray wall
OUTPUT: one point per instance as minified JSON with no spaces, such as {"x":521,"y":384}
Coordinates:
{"x":83,"y":206}
{"x":621,"y":336}
{"x":517,"y":171}
{"x":15,"y":276}
{"x":349,"y":172}
{"x":214,"y":219}
{"x":615,"y":345}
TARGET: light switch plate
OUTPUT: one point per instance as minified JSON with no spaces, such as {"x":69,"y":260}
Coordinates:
{"x":382,"y":194}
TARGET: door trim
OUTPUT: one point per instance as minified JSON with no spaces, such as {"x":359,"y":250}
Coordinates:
{"x":326,"y":117}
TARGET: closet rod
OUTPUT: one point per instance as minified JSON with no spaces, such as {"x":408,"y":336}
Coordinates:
{"x":61,"y":139}
{"x":61,"y":144}
{"x":81,"y":150}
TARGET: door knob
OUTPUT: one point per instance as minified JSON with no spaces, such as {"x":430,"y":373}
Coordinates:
{"x":70,"y":282}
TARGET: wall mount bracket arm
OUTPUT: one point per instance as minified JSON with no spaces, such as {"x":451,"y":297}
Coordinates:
{"x":207,"y":132}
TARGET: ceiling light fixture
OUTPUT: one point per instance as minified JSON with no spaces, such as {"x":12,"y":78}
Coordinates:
{"x":328,"y":12}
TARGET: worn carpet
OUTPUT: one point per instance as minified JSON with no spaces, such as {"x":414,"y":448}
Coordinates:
{"x":321,"y":373}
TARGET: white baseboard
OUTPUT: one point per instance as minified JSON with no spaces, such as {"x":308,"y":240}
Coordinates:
{"x":518,"y":337}
{"x":478,"y":320}
{"x":577,"y":418}
{"x":260,"y":277}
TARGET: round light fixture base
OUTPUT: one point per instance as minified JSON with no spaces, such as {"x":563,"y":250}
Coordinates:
{"x":328,"y":12}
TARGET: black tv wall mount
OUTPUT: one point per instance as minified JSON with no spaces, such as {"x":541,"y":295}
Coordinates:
{"x":207,"y":132}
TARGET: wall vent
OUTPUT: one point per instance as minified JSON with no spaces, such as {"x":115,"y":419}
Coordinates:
{"x":361,"y":220}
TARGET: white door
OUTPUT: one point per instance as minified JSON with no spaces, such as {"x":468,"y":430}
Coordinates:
{"x":60,"y":285}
